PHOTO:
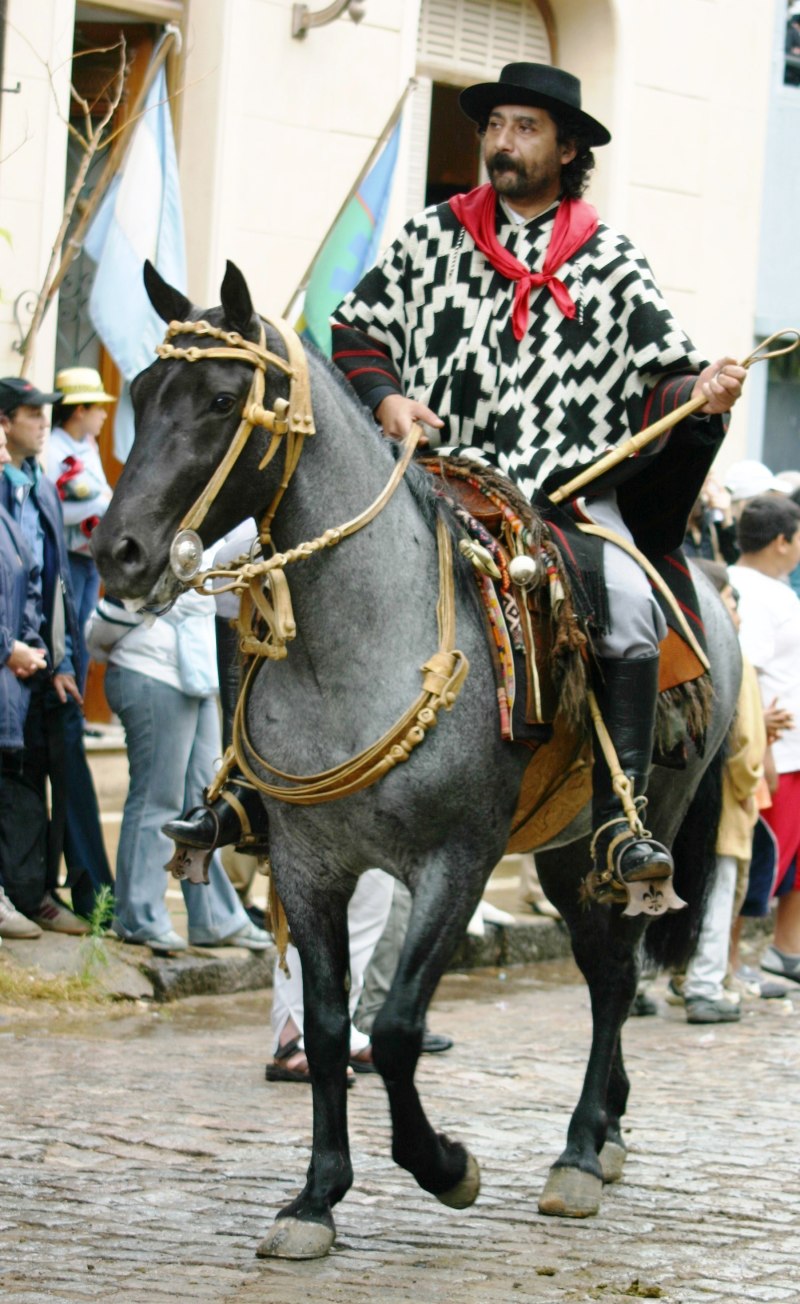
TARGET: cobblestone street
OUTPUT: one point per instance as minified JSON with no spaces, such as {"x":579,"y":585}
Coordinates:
{"x":143,"y":1157}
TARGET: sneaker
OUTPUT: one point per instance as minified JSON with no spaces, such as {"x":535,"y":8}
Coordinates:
{"x":250,"y":937}
{"x":54,"y":917}
{"x":750,"y":985}
{"x":643,"y":1006}
{"x":702,"y":1009}
{"x":785,"y":966}
{"x":161,"y":944}
{"x":434,"y":1043}
{"x":674,"y":993}
{"x":13,"y":924}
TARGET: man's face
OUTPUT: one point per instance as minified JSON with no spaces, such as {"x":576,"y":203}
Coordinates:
{"x":25,"y":431}
{"x":522,"y":155}
{"x":4,"y":457}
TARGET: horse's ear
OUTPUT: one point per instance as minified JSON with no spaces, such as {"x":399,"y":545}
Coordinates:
{"x":236,"y":302}
{"x":168,"y":302}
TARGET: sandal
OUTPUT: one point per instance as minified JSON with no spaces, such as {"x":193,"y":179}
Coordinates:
{"x":277,"y":1070}
{"x":360,"y":1065}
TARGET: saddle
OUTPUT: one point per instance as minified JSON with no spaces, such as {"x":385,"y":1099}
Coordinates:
{"x":539,"y":640}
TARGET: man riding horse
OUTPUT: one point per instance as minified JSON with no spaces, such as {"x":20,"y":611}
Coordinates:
{"x":527,"y":333}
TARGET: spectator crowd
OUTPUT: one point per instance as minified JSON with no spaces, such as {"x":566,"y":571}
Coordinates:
{"x":162,"y":682}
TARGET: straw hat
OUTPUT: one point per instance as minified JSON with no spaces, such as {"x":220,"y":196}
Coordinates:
{"x":82,"y":385}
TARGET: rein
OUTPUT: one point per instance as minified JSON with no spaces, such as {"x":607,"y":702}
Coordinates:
{"x":443,"y":674}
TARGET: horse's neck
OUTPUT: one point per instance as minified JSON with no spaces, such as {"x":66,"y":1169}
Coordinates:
{"x":377,"y":577}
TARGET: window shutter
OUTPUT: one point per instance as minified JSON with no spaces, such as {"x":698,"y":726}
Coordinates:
{"x":461,"y":40}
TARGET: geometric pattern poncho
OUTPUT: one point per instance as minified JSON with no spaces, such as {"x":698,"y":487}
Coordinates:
{"x":433,"y":321}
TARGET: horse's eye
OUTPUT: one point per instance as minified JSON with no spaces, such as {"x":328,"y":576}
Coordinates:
{"x":223,"y":403}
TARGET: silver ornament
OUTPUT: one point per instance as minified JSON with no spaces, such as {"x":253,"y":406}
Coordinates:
{"x":525,"y":571}
{"x":186,"y":554}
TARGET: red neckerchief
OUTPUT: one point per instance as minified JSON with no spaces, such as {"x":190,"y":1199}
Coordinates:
{"x":576,"y":221}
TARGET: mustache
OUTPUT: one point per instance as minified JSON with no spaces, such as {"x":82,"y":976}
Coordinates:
{"x":503,"y":163}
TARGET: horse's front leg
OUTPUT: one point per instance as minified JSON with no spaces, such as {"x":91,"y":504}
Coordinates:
{"x":605,"y":945}
{"x":444,"y":902}
{"x":305,"y":1228}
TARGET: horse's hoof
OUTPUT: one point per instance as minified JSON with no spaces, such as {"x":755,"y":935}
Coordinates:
{"x":612,"y":1161}
{"x":466,"y":1192}
{"x":292,"y":1238}
{"x":571,"y":1193}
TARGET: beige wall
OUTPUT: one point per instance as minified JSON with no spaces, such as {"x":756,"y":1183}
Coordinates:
{"x":274,"y":131}
{"x":692,"y":155}
{"x":33,"y":150}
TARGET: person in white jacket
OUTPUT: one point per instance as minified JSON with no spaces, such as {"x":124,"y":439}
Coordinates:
{"x":161,"y":681}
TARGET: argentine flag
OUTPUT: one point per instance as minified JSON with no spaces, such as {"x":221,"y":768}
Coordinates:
{"x":140,"y":217}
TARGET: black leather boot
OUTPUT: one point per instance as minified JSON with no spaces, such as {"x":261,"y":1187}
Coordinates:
{"x":622,"y":855}
{"x":237,"y":818}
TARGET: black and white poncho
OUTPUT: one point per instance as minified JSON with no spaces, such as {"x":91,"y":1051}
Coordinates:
{"x":433,"y":321}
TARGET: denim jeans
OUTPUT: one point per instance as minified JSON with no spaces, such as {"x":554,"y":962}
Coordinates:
{"x":84,"y":850}
{"x":85,"y":590}
{"x":173,"y":743}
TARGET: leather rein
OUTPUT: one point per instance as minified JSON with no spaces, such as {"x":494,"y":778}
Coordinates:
{"x":262,"y":581}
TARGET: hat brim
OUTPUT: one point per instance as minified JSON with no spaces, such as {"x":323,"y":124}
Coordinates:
{"x":478,"y":101}
{"x":87,"y":396}
{"x":34,"y":398}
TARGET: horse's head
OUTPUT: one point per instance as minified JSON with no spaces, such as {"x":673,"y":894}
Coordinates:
{"x":187,"y":414}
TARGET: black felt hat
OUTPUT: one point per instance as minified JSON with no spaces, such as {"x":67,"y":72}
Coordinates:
{"x":537,"y":84}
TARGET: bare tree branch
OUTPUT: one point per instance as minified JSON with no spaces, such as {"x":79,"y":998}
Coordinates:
{"x":56,"y":264}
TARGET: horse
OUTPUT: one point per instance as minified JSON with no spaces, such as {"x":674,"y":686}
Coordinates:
{"x":364,"y":622}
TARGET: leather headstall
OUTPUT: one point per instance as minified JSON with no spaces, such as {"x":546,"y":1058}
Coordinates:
{"x":290,"y":420}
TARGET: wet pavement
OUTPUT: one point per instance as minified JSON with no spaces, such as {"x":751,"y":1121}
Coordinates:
{"x":143,"y":1157}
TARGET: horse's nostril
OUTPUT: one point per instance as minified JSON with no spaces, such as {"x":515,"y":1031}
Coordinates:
{"x":126,"y":552}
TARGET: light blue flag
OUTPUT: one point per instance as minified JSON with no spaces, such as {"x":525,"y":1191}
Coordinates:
{"x":140,"y":217}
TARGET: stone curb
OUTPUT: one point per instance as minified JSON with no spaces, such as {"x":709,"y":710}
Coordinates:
{"x":134,"y":973}
{"x":227,"y":971}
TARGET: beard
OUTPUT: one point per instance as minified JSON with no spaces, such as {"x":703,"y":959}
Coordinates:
{"x":514,"y":180}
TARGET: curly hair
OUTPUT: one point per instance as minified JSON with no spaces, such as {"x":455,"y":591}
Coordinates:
{"x":575,"y":176}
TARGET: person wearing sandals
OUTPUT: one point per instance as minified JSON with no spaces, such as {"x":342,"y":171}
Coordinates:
{"x":367,"y":915}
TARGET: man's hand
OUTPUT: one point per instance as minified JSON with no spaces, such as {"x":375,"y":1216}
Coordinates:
{"x":720,"y":385}
{"x":25,"y":660}
{"x":65,"y":686}
{"x":777,"y":720}
{"x":716,"y":497}
{"x":396,"y":414}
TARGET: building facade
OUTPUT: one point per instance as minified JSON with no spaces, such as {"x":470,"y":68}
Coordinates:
{"x":272,"y":129}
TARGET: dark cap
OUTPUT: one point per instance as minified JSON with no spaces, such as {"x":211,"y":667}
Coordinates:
{"x":537,"y":84}
{"x":16,"y":392}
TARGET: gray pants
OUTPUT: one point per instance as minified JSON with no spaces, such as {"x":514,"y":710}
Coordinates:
{"x":381,"y":968}
{"x":636,"y":622}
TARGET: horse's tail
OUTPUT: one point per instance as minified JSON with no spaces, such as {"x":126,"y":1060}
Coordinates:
{"x":671,"y":939}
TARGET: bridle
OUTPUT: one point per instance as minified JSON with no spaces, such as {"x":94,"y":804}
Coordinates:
{"x":291,"y":420}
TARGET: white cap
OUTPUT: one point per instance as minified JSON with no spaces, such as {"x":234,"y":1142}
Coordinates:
{"x":749,"y":478}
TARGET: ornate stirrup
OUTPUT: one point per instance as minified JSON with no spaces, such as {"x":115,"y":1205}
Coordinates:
{"x":645,"y":885}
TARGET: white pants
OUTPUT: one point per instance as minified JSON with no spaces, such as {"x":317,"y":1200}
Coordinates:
{"x":636,"y":623}
{"x":366,"y":919}
{"x":706,"y":971}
